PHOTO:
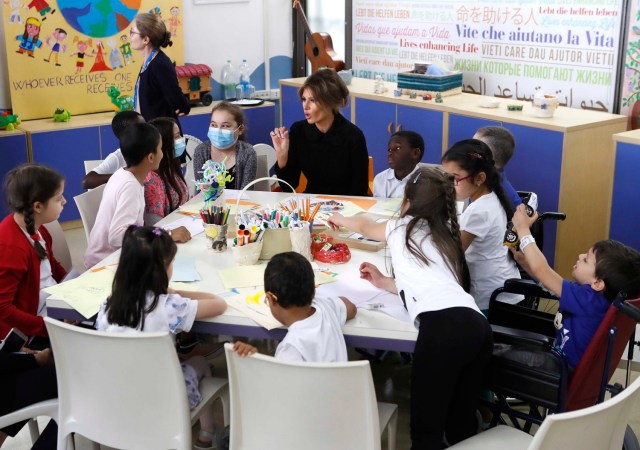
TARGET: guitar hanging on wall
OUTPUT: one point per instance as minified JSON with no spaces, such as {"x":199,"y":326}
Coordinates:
{"x":319,"y":46}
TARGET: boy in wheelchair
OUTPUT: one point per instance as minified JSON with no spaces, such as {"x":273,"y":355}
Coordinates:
{"x":608,"y":268}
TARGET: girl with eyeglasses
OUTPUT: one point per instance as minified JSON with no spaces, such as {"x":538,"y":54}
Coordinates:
{"x":431,"y":278}
{"x":227,"y":142}
{"x":483,"y":223}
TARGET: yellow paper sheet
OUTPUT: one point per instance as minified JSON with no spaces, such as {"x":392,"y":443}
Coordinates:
{"x":387,"y":207}
{"x":86,"y":293}
{"x":253,"y":276}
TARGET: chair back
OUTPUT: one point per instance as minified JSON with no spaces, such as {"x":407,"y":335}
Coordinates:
{"x":585,"y":385}
{"x":59,"y":244}
{"x":120,"y":390}
{"x":262,"y":171}
{"x":91,"y":164}
{"x":269,"y":152}
{"x":285,"y":405}
{"x":601,"y":426}
{"x":189,"y":175}
{"x":88,"y":204}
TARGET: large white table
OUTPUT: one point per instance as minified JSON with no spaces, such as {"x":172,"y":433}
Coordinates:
{"x":369,"y":329}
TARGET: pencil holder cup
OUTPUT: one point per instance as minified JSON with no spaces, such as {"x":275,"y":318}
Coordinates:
{"x":248,"y":254}
{"x":301,"y":240}
{"x":216,"y":237}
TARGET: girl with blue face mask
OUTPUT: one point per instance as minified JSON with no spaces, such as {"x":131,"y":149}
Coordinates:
{"x":227,"y":143}
{"x":165,"y":189}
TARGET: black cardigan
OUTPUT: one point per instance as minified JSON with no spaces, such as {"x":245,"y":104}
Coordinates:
{"x":159,"y":94}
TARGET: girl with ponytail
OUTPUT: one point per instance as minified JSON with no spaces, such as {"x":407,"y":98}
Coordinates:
{"x":431,"y":277}
{"x":484,"y":221}
{"x":34,"y":196}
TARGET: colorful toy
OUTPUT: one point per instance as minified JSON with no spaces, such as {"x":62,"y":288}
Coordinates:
{"x":195,"y":82}
{"x":120,"y":102}
{"x":438,"y":98}
{"x":214,"y":178}
{"x":61,"y":115}
{"x":9,"y":122}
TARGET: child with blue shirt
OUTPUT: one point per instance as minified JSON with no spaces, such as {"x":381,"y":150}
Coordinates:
{"x":608,"y":268}
{"x":315,"y":323}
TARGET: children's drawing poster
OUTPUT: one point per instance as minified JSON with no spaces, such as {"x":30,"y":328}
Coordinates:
{"x":506,"y":48}
{"x":69,"y":53}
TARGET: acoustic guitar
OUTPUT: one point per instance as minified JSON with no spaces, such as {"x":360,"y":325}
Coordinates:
{"x":319,"y":46}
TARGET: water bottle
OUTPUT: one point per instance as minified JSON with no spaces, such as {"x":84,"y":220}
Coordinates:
{"x":229,"y":80}
{"x":245,"y":77}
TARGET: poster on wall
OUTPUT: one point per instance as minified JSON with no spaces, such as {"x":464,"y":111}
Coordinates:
{"x":72,"y":53}
{"x":506,"y":49}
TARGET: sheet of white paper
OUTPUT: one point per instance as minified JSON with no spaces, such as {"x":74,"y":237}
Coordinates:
{"x":193,"y":224}
{"x":362,"y":293}
{"x":184,"y":269}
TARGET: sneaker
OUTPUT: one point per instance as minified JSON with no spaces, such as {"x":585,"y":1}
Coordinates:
{"x":202,"y":349}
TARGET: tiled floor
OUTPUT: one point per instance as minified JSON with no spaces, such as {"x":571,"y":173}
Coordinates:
{"x":391,"y":376}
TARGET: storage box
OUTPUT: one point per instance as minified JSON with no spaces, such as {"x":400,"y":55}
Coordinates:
{"x":425,"y":82}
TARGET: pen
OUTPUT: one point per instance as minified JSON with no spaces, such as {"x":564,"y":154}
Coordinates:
{"x":374,"y":306}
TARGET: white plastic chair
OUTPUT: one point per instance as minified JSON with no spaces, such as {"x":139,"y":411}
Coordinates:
{"x":88,"y":204}
{"x":47,"y":408}
{"x":286,"y":406}
{"x":262,"y":171}
{"x":91,"y":164}
{"x":598,"y":427}
{"x":59,"y":244}
{"x":189,"y":176}
{"x":125,"y":390}
{"x":270,"y":153}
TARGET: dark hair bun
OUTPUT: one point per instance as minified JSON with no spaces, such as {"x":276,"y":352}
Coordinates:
{"x":167,"y":40}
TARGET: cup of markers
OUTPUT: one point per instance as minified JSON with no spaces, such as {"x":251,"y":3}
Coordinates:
{"x":215,"y":219}
{"x":247,"y":244}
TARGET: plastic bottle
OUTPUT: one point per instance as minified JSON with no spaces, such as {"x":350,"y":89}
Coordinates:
{"x":245,"y":76}
{"x":229,"y":80}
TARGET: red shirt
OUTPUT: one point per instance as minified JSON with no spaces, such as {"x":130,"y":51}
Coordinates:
{"x":20,"y":279}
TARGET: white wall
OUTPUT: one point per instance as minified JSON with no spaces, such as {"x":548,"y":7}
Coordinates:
{"x":216,"y":32}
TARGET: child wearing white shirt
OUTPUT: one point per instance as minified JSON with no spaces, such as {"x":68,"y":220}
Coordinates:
{"x":483,"y":223}
{"x":315,"y":324}
{"x":405,"y":150}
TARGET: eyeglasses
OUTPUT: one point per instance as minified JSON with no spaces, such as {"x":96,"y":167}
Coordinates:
{"x":131,"y":32}
{"x":457,"y":181}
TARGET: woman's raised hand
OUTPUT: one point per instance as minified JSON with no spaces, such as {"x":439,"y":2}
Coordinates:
{"x":280,"y":139}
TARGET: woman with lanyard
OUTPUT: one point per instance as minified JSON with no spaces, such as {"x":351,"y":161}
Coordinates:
{"x":157,"y":93}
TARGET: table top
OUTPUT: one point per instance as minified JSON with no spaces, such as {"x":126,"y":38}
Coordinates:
{"x":371,"y":329}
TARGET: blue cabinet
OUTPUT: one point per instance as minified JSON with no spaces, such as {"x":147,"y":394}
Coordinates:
{"x":13,"y":152}
{"x":429,"y":124}
{"x":464,"y":127}
{"x":625,"y":205}
{"x":66,"y":150}
{"x":536,"y":166}
{"x":108,"y":141}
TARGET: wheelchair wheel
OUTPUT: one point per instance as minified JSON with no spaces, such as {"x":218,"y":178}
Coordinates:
{"x":630,"y":441}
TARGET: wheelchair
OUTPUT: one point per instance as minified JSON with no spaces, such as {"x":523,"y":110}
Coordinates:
{"x":542,"y":391}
